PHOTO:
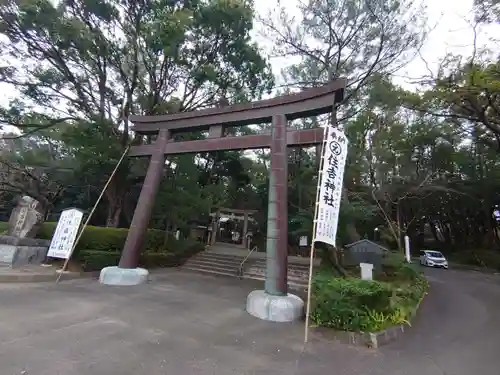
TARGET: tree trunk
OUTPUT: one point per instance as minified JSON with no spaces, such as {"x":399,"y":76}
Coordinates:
{"x":333,"y":258}
{"x":115,"y":196}
{"x":165,"y":238}
{"x":400,"y":231}
{"x":128,"y":211}
{"x":352,"y":233}
{"x":299,"y":181}
{"x":114,"y":212}
{"x":351,"y":230}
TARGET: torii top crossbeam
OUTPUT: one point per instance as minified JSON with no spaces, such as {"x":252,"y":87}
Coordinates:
{"x":310,"y":102}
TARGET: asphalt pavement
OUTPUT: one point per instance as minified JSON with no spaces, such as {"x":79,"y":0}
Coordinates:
{"x":184,"y":323}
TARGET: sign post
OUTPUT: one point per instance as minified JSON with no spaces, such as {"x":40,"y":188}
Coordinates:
{"x":303,"y":241}
{"x":328,"y":198}
{"x":64,"y":236}
{"x":62,"y":244}
{"x":407,"y":249}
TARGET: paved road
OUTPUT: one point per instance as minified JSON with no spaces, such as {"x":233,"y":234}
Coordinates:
{"x":458,"y":327}
{"x":183,"y":324}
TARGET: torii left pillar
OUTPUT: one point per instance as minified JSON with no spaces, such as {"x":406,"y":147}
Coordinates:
{"x":127,"y":272}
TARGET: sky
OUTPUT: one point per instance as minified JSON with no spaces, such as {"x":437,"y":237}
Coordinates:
{"x":451,"y":33}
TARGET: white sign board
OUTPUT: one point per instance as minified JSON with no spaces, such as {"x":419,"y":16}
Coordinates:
{"x":366,"y":271}
{"x":407,"y":249}
{"x":303,"y":241}
{"x":331,"y":178}
{"x":65,"y":234}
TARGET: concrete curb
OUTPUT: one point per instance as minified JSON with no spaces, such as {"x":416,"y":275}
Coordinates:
{"x":44,"y":277}
{"x":370,"y":339}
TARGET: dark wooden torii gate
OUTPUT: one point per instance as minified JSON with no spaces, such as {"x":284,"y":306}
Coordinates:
{"x":278,"y":110}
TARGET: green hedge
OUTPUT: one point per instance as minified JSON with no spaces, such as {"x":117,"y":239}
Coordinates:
{"x":95,"y":260}
{"x":102,"y":238}
{"x":105,"y":239}
{"x":395,"y":269}
{"x":352,"y":304}
{"x":480,"y":258}
{"x":100,"y":247}
{"x":92,"y":260}
{"x":4,"y":227}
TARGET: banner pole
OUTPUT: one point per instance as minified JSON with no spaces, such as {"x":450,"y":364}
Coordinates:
{"x":90,"y":216}
{"x":315,"y":223}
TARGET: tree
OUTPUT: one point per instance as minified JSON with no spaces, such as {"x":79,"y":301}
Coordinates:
{"x":362,"y":41}
{"x":352,"y":39}
{"x":36,"y":166}
{"x":102,"y":61}
{"x":469,"y":94}
{"x":487,"y":11}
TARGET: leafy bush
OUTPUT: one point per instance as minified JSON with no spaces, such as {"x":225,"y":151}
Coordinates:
{"x":161,"y":260}
{"x":101,"y":247}
{"x":93,"y":260}
{"x":409,"y":295}
{"x":4,"y":227}
{"x":489,"y":258}
{"x":105,"y":239}
{"x":184,"y":249}
{"x":352,"y":304}
{"x":394,"y":268}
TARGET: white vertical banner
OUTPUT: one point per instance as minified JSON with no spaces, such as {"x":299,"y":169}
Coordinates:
{"x":330,"y":180}
{"x":65,"y":234}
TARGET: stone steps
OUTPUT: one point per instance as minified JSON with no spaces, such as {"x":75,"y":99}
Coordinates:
{"x":213,"y":263}
{"x":255,"y":269}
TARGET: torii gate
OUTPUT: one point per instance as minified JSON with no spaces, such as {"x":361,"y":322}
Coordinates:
{"x":274,"y":303}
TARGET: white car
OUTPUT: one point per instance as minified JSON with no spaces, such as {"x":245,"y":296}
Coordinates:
{"x":432,"y":258}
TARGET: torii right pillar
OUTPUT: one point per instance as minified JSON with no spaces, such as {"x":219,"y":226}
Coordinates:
{"x":274,"y":303}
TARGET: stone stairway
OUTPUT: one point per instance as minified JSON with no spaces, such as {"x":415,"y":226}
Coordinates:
{"x":254,"y":268}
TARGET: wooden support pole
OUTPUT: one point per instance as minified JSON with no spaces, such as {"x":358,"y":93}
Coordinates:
{"x":311,"y":255}
{"x":90,"y":214}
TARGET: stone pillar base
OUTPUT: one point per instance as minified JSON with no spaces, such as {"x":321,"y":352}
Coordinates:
{"x":123,"y":276}
{"x":265,"y":306}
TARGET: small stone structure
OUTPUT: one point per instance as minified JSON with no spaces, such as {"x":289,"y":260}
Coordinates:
{"x":19,"y":247}
{"x":123,"y":276}
{"x":26,"y":218}
{"x":363,"y":251}
{"x":265,"y":306}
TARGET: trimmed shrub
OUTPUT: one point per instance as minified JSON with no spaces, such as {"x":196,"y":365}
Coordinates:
{"x":105,"y":239}
{"x":101,"y":247}
{"x":4,"y":227}
{"x":395,"y":269}
{"x":93,"y":260}
{"x":159,"y":260}
{"x":184,"y":248}
{"x":480,"y":258}
{"x":352,"y":304}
